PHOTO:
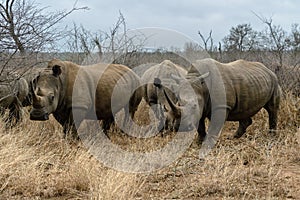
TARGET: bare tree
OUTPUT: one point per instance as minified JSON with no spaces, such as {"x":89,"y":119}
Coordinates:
{"x":114,"y":31}
{"x":207,"y":41}
{"x":82,"y":42}
{"x":27,"y":29}
{"x":275,"y":38}
{"x":119,"y":43}
{"x":295,"y":38}
{"x":119,"y":40}
{"x":115,"y":45}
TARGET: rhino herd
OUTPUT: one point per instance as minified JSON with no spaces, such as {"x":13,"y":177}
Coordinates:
{"x":221,"y":92}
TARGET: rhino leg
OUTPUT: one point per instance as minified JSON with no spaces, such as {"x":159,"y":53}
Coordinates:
{"x":106,"y":124}
{"x":152,"y":100}
{"x":169,"y":124}
{"x":76,"y":116}
{"x":128,"y":114}
{"x":69,"y":129}
{"x":243,"y":125}
{"x":135,"y":101}
{"x":15,"y":113}
{"x":13,"y":116}
{"x":272,"y":108}
{"x":158,"y":111}
{"x":201,"y":131}
{"x":160,"y":116}
{"x":2,"y":111}
{"x":272,"y":118}
{"x":132,"y":107}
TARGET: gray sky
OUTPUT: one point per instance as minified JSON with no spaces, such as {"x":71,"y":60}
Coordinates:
{"x":187,"y":16}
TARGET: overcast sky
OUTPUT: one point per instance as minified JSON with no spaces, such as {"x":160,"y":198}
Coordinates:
{"x":185,"y":16}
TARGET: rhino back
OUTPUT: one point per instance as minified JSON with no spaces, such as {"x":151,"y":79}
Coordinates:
{"x":114,"y":89}
{"x":22,"y":89}
{"x":163,"y":71}
{"x":249,"y":86}
{"x":114,"y":85}
{"x":92,"y":87}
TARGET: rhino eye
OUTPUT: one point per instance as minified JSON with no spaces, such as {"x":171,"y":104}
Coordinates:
{"x":51,"y":97}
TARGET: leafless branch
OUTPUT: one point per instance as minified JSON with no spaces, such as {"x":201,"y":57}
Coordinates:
{"x":206,"y":40}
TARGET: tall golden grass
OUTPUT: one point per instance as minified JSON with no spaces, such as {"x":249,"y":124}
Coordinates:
{"x":37,"y":163}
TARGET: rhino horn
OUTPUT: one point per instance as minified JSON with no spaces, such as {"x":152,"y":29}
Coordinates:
{"x":166,"y":101}
{"x":200,"y":78}
{"x":203,"y":76}
{"x":172,"y":105}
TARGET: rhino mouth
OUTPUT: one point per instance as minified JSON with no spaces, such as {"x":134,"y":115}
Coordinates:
{"x":38,"y":116}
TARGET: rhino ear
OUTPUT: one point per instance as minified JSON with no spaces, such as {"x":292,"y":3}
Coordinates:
{"x":56,"y":70}
{"x":157,"y":83}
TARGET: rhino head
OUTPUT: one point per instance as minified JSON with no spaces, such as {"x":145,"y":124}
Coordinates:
{"x":45,"y":89}
{"x":192,"y":98}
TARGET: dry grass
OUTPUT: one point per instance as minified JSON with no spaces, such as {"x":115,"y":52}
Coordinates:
{"x":36,"y":163}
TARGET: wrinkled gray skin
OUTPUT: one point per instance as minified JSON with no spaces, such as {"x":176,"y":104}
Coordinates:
{"x":162,"y":71}
{"x":14,"y":95}
{"x":247,"y":87}
{"x":53,"y":93}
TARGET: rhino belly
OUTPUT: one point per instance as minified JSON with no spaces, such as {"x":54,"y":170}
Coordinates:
{"x":245,"y":108}
{"x":111,"y":100}
{"x":247,"y":96}
{"x":104,"y":111}
{"x":236,"y":116}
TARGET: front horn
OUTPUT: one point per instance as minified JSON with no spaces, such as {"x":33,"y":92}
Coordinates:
{"x":162,"y":94}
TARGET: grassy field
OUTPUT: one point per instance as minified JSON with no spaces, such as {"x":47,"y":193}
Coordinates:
{"x":37,"y":163}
